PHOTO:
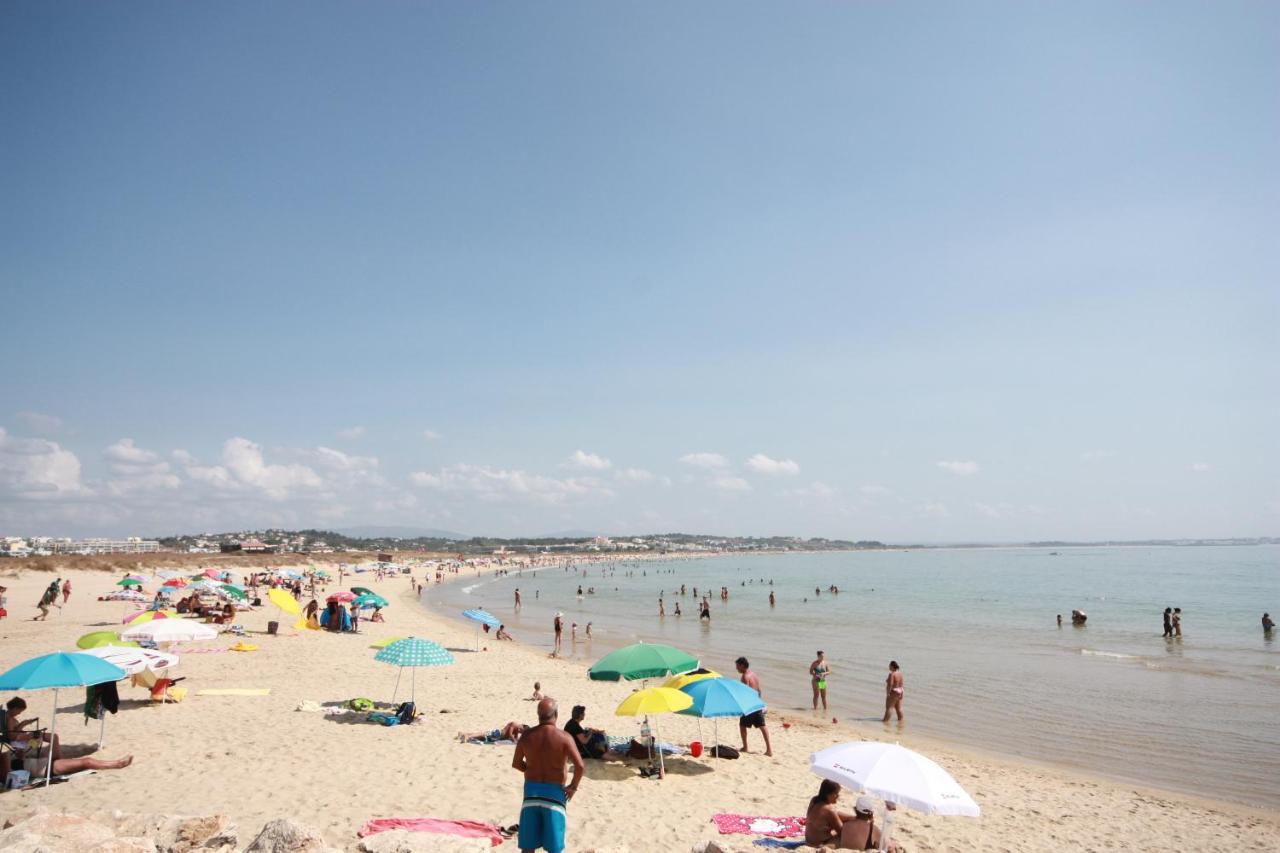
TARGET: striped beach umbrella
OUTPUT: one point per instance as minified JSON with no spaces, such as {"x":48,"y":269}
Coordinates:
{"x":413,"y":652}
{"x":482,"y":617}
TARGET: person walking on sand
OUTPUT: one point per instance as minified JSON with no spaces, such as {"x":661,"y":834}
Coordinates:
{"x":66,"y":590}
{"x":818,"y":671}
{"x":541,"y":755}
{"x":1168,"y":622}
{"x":893,"y":692}
{"x":559,"y":628}
{"x":755,"y":720}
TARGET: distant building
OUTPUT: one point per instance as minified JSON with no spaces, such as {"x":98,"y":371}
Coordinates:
{"x":132,"y":545}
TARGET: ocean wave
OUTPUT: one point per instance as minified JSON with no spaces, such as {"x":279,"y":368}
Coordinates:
{"x":1117,"y":655}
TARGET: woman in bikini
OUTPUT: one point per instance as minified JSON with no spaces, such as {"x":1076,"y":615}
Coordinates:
{"x":818,"y":671}
{"x":893,"y":692}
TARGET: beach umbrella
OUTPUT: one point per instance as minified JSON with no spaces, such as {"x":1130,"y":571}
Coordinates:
{"x":56,"y":671}
{"x":720,"y":697}
{"x":101,"y":638}
{"x":383,"y":643}
{"x":124,"y":595}
{"x":174,"y":583}
{"x":641,"y":660}
{"x":676,"y":682}
{"x":230,"y":590}
{"x":169,"y":631}
{"x":360,"y":590}
{"x":413,"y":652}
{"x":167,"y":575}
{"x":342,"y":596}
{"x":370,"y":600}
{"x":286,"y":602}
{"x":895,"y":774}
{"x":482,"y":617}
{"x":137,"y":577}
{"x":139,"y":617}
{"x":129,"y":582}
{"x":654,"y":700}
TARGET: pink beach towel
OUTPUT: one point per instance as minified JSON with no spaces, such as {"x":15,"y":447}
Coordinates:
{"x":463,"y":828}
{"x":776,"y":827}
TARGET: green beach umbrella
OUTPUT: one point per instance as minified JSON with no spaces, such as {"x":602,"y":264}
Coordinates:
{"x":642,"y":660}
{"x":101,"y":638}
{"x":129,"y":582}
{"x":362,"y":590}
{"x":370,"y":600}
{"x":232,"y":591}
{"x":413,"y":653}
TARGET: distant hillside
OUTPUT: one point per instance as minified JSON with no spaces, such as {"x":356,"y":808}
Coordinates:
{"x":374,"y":531}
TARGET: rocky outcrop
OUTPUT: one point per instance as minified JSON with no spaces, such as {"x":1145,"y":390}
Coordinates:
{"x":115,"y":832}
{"x":286,"y":836}
{"x":400,"y":841}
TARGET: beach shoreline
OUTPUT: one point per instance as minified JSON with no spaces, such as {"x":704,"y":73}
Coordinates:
{"x":258,"y":758}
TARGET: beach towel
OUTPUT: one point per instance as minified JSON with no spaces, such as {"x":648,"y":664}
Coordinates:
{"x":462,"y":828}
{"x":235,"y":691}
{"x":778,"y":827}
{"x":774,"y":842}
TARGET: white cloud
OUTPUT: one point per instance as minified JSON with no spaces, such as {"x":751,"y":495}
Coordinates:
{"x":710,"y":461}
{"x":351,"y":433}
{"x":762,"y":464}
{"x":501,"y":485}
{"x":816,"y":489}
{"x":1201,"y":467}
{"x":431,"y":435}
{"x":38,"y":468}
{"x":136,"y":470}
{"x":960,"y":469}
{"x":730,"y":484}
{"x":588,"y":461}
{"x":634,"y":475}
{"x":243,"y":464}
{"x":40,"y":423}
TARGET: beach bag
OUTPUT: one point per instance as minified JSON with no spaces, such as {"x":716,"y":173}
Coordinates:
{"x":360,"y":704}
{"x":385,"y":719}
{"x":723,"y":752}
{"x":406,"y":713}
{"x":637,"y":750}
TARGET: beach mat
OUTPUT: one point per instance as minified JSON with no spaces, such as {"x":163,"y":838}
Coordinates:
{"x":775,"y":842}
{"x":778,"y":827}
{"x":461,"y":828}
{"x":235,"y":691}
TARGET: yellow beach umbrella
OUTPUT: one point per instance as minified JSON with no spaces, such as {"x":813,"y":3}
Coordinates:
{"x":382,"y":644}
{"x":285,"y":601}
{"x":654,"y":700}
{"x":144,"y":616}
{"x":675,"y":682}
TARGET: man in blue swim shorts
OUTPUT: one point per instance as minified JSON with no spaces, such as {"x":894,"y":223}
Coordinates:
{"x":541,"y":755}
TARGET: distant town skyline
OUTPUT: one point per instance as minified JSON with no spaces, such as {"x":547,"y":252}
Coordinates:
{"x":738,"y":269}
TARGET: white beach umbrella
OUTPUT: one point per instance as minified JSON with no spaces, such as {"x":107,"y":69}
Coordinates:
{"x":896,"y":775}
{"x":132,"y":660}
{"x":169,"y":631}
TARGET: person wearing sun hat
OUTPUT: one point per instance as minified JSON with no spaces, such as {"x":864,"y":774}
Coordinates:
{"x":861,"y":833}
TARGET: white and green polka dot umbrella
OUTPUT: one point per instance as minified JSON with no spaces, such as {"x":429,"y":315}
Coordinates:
{"x":413,"y":652}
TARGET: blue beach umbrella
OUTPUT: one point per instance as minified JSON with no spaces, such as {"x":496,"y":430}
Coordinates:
{"x":720,"y":697}
{"x":54,"y":672}
{"x":413,"y":652}
{"x":482,"y":617}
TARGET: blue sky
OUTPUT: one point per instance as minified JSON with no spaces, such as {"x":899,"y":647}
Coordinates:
{"x":966,"y":272}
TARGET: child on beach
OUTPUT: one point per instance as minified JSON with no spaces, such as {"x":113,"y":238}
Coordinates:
{"x":537,"y":692}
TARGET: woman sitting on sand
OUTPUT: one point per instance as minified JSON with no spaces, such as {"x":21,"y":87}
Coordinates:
{"x":828,"y":827}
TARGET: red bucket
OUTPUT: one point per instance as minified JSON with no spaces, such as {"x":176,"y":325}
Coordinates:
{"x":695,"y":749}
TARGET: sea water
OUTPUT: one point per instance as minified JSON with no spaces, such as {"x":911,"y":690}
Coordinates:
{"x":975,"y":632}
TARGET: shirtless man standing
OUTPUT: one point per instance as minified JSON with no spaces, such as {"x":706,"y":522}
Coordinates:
{"x":755,"y":720}
{"x":893,"y":692}
{"x":540,"y":756}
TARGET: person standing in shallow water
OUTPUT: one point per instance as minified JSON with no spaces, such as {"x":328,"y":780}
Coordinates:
{"x":893,"y":692}
{"x":818,"y":671}
{"x":1168,"y":622}
{"x":1177,"y":621}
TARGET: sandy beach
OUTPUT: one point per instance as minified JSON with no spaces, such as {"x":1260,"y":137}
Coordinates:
{"x":256,"y":758}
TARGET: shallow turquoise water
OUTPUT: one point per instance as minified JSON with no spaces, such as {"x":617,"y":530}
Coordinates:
{"x":975,"y":634}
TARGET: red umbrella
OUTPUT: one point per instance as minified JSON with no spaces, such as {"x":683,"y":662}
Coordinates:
{"x":342,"y":596}
{"x":175,"y":582}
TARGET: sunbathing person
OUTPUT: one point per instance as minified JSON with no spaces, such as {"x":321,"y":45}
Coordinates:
{"x":512,"y":731}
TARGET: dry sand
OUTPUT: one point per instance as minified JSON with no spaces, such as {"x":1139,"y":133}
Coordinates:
{"x":256,"y":758}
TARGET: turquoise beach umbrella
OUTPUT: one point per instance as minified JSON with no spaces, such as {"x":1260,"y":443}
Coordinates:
{"x":413,"y":652}
{"x":56,"y":671}
{"x":642,"y":660}
{"x":482,"y":617}
{"x":369,"y":600}
{"x":721,"y":697}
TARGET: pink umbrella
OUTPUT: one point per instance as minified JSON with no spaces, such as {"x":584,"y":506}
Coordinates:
{"x":342,"y":596}
{"x":212,"y":573}
{"x":150,"y":614}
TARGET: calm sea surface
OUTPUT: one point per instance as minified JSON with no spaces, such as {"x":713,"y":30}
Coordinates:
{"x":974,"y":631}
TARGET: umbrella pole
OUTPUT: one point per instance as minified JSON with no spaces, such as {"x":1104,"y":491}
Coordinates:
{"x":399,"y":672}
{"x":53,"y":734}
{"x":662,"y":766}
{"x":413,"y":686}
{"x":102,"y":726}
